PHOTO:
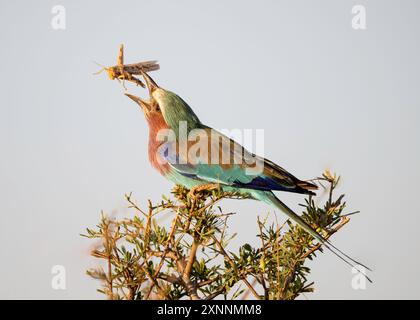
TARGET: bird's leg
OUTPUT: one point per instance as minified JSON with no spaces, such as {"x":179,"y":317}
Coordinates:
{"x":209,"y":186}
{"x":192,"y":194}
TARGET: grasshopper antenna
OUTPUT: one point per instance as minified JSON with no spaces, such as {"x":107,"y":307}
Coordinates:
{"x":100,"y":71}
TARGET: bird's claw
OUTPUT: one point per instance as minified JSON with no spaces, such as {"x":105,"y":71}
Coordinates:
{"x":192,"y":194}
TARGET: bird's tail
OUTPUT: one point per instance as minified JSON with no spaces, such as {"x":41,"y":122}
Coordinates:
{"x":271,"y":199}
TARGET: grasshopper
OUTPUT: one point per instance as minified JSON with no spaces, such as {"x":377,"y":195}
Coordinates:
{"x":124,"y":72}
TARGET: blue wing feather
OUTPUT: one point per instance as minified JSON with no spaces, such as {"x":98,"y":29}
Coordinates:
{"x":272,"y":177}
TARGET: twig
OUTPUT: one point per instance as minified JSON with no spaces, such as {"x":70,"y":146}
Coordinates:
{"x":343,"y":222}
{"x":165,"y":252}
{"x":191,"y":258}
{"x":263,"y":257}
{"x":232,"y":263}
{"x":108,"y":247}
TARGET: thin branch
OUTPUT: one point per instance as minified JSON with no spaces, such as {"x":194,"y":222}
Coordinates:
{"x":262,"y":280}
{"x":191,"y":259}
{"x":232,"y":263}
{"x":165,"y":252}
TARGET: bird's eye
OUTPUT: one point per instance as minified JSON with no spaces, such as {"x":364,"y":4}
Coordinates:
{"x":157,"y":108}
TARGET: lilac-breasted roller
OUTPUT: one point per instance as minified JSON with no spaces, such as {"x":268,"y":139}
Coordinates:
{"x":252,"y":176}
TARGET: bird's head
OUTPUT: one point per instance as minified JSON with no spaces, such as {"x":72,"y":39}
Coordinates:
{"x":174,"y":109}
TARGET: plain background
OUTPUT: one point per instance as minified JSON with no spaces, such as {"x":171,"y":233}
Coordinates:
{"x":327,"y":96}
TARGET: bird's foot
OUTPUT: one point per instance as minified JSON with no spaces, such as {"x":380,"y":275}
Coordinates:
{"x":209,"y":187}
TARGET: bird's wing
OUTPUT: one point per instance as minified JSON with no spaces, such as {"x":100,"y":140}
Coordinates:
{"x":215,"y":158}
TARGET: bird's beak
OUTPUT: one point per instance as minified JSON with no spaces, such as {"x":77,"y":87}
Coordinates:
{"x":142,"y":103}
{"x":151,"y":84}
